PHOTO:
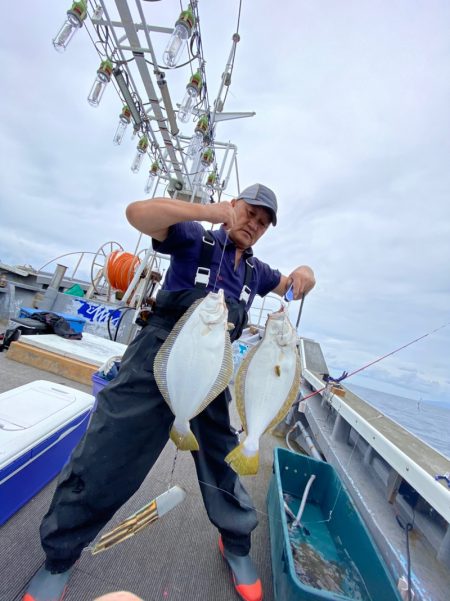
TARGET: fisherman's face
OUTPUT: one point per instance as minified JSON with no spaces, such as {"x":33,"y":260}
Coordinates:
{"x":251,"y":223}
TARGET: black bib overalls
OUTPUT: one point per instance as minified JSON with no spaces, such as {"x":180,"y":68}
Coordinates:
{"x":126,"y":435}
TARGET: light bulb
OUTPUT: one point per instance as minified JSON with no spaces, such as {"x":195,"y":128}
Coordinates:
{"x":100,"y":83}
{"x":181,"y":33}
{"x":74,"y":20}
{"x":137,"y":162}
{"x":173,"y":50}
{"x":207,"y":157}
{"x":192,"y":91}
{"x":150,"y":181}
{"x":153,"y":172}
{"x":140,"y":153}
{"x":120,"y":132}
{"x":198,"y":139}
{"x":187,"y":104}
{"x":194,"y":145}
{"x":124,"y":120}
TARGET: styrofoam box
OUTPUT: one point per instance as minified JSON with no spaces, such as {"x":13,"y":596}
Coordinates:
{"x":40,"y":424}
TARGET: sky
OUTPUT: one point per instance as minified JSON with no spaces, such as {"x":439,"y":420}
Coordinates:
{"x":351,"y":131}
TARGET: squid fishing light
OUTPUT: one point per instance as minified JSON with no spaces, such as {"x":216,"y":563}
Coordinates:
{"x":153,"y":172}
{"x":124,"y":120}
{"x":210,"y":181}
{"x":209,"y":188}
{"x":141,"y":149}
{"x":207,"y":157}
{"x":74,"y":20}
{"x":98,"y":87}
{"x":180,"y":34}
{"x":197,"y":139}
{"x":192,"y":91}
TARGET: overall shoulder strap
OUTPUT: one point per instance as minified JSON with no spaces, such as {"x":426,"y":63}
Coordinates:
{"x":206,"y":253}
{"x":245,"y":292}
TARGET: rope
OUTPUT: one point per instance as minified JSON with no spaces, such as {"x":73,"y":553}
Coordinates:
{"x":119,"y":269}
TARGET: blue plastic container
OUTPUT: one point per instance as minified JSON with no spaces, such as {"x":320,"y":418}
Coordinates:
{"x":41,"y":422}
{"x":333,"y":557}
{"x":97,"y":384}
{"x":76,"y":323}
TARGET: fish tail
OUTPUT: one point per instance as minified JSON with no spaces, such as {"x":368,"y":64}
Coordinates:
{"x":185,"y":441}
{"x":242,"y":463}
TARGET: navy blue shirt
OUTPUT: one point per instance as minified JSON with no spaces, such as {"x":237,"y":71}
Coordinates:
{"x":184,"y":243}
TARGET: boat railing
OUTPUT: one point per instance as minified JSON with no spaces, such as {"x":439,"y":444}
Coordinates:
{"x":81,"y":255}
{"x":394,"y":453}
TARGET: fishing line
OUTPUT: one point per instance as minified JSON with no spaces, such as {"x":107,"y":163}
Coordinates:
{"x":175,"y":457}
{"x":379,"y":359}
{"x":221,"y":260}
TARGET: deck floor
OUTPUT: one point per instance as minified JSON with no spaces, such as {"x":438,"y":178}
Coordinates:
{"x":174,"y":559}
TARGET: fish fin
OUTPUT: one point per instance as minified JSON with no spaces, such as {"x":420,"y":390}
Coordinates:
{"x":242,"y":464}
{"x":292,"y":395}
{"x":185,"y":442}
{"x":239,"y":384}
{"x":224,"y":376}
{"x":162,"y":356}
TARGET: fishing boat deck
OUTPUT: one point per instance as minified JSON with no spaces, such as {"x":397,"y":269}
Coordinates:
{"x":174,"y":559}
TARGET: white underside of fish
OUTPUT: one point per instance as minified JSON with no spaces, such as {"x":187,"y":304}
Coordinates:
{"x":193,"y":366}
{"x":269,"y":379}
{"x":267,"y":384}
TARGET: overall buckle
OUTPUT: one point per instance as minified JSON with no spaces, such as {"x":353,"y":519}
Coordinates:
{"x":202,"y":275}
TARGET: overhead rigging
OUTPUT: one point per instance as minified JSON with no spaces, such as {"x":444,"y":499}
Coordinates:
{"x":192,"y":168}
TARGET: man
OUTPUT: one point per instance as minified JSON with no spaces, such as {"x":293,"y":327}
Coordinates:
{"x":131,"y":409}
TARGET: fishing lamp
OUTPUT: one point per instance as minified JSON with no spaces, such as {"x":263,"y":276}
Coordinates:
{"x":207,"y":157}
{"x":181,"y":33}
{"x":74,"y":20}
{"x":98,"y":87}
{"x":124,"y":120}
{"x":210,"y":181}
{"x":141,"y":149}
{"x":153,"y":172}
{"x":197,"y":139}
{"x":192,"y":91}
{"x":209,"y":188}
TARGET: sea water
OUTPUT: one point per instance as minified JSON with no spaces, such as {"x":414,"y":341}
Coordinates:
{"x":427,"y":420}
{"x":321,"y":560}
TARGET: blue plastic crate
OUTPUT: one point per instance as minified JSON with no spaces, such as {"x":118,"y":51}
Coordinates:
{"x":76,"y":323}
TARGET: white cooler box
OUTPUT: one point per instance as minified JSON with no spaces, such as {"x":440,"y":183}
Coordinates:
{"x":40,"y":424}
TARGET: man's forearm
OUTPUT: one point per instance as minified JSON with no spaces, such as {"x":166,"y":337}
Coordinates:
{"x":155,"y":216}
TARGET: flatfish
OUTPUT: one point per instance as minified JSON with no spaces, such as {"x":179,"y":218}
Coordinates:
{"x":195,"y":364}
{"x":266,"y":385}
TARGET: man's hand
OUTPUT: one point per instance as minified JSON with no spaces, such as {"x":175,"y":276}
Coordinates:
{"x":222,"y":212}
{"x":302,"y":280}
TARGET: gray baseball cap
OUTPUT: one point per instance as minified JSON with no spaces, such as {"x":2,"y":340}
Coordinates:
{"x":261,"y":196}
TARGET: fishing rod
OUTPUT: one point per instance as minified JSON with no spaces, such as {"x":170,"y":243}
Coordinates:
{"x":346,"y":376}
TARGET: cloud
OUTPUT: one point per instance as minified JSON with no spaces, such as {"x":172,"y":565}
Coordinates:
{"x":351,"y":131}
